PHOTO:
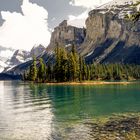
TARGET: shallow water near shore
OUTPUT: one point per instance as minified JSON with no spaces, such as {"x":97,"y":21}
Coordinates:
{"x":39,"y":111}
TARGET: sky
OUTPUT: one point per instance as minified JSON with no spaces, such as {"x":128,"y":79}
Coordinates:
{"x":28,"y":23}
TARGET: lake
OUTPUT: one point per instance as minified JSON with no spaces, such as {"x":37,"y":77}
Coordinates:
{"x":43,"y":112}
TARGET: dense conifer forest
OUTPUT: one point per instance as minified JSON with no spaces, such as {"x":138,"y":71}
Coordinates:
{"x":71,"y":67}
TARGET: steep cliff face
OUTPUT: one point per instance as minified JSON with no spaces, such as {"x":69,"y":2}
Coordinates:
{"x":110,"y":37}
{"x":66,"y":35}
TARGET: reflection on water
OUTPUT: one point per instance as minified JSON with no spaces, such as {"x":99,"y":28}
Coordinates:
{"x":40,"y":112}
{"x":25,"y":112}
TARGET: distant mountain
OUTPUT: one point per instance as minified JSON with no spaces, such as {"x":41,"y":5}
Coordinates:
{"x":5,"y":55}
{"x":37,"y":50}
{"x":10,"y":58}
{"x":19,"y":56}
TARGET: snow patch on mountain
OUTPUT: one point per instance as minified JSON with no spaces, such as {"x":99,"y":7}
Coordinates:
{"x":19,"y":57}
{"x":10,"y":58}
{"x":37,"y":50}
{"x":120,"y":8}
{"x":5,"y":55}
{"x":115,"y":3}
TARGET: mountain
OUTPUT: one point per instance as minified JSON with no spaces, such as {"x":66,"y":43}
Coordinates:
{"x":66,"y":35}
{"x":20,"y":56}
{"x":116,"y":3}
{"x":37,"y":50}
{"x":5,"y":55}
{"x":110,"y":37}
{"x":10,"y":58}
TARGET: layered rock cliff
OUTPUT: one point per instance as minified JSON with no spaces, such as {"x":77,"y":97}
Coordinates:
{"x":110,"y":37}
{"x":66,"y":35}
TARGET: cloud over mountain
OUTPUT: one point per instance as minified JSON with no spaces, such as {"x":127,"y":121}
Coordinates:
{"x":85,"y":3}
{"x":79,"y":20}
{"x":26,"y":29}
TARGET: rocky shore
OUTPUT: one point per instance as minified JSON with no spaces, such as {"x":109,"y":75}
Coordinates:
{"x":116,"y":127}
{"x":127,"y":128}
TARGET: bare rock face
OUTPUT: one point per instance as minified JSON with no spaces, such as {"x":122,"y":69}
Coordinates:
{"x":37,"y":50}
{"x":66,"y":35}
{"x":19,"y":57}
{"x":111,"y":38}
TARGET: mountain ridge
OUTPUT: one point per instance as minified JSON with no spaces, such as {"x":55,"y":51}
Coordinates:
{"x":108,"y":38}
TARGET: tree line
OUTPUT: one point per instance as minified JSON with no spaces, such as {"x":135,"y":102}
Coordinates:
{"x":69,"y":66}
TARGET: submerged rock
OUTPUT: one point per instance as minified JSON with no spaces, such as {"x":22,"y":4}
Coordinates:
{"x":116,"y":129}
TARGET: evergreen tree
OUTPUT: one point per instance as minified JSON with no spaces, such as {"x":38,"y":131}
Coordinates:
{"x":57,"y":67}
{"x":69,"y":66}
{"x":64,"y":65}
{"x":33,"y":71}
{"x":41,"y":71}
{"x":74,"y":64}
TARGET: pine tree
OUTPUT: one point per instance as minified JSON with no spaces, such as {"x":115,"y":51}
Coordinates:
{"x":81,"y":63}
{"x":64,"y":65}
{"x":88,"y":73}
{"x":49,"y":72}
{"x":74,"y":64}
{"x":33,"y":71}
{"x":57,"y":67}
{"x":41,"y":71}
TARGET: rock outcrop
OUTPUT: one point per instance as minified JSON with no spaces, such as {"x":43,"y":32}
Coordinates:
{"x":37,"y":50}
{"x":19,"y":57}
{"x":110,"y":37}
{"x":66,"y":35}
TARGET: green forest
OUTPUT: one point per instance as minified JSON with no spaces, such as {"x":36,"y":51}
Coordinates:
{"x":69,"y":66}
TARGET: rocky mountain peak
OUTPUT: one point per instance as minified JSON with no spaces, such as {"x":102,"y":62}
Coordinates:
{"x":110,"y":37}
{"x":119,"y":8}
{"x":63,"y":23}
{"x":66,"y":34}
{"x":19,"y":57}
{"x":117,"y":3}
{"x":37,"y":50}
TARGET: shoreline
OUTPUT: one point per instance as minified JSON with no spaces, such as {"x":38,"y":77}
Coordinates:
{"x":121,"y":128}
{"x":93,"y":83}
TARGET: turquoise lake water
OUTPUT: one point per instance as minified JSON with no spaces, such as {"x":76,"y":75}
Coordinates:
{"x":41,"y":112}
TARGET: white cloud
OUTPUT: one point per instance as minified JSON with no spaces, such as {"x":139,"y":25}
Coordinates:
{"x":6,"y":53}
{"x":88,"y":3}
{"x":23,"y":31}
{"x":79,"y":20}
{"x":85,"y":3}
